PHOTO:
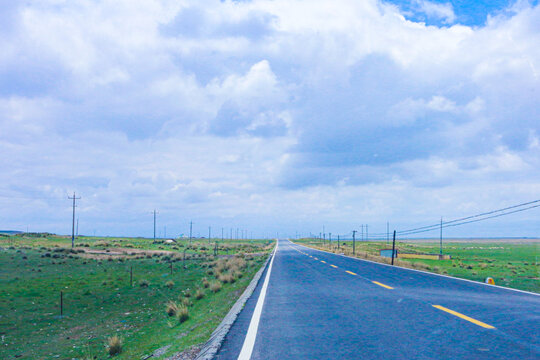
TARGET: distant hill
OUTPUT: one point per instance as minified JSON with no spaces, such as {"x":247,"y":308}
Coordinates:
{"x":10,"y":232}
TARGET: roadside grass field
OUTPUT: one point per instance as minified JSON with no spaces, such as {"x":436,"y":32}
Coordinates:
{"x":198,"y":246}
{"x":510,"y":264}
{"x":99,"y":302}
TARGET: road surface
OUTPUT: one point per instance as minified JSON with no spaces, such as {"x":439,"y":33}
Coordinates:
{"x":311,"y":304}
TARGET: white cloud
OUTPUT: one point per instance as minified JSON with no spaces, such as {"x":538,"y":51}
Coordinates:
{"x":439,"y":11}
{"x":238,"y":111}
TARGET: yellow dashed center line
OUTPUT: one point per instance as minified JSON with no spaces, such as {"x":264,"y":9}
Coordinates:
{"x":334,"y":266}
{"x":465,"y":317}
{"x":324,"y":262}
{"x":380,"y":284}
{"x":350,"y":272}
{"x":316,"y":258}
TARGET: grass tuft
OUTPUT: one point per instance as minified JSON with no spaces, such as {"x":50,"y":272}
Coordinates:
{"x":186,"y":301}
{"x":171,"y":308}
{"x":114,"y":345}
{"x":199,"y":294}
{"x":215,"y":286}
{"x":182,"y":314}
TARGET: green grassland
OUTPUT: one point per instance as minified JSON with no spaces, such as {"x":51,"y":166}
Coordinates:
{"x":510,"y":264}
{"x":100,"y":302}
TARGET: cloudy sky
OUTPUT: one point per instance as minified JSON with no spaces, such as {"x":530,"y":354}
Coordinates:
{"x":268,"y":116}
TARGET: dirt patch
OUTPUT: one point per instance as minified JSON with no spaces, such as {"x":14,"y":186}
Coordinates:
{"x":120,"y":252}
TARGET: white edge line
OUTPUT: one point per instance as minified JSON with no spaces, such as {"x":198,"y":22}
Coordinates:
{"x":421,"y":271}
{"x":249,"y":341}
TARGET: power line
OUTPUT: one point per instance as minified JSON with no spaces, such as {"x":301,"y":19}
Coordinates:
{"x":459,"y":221}
{"x":472,"y":221}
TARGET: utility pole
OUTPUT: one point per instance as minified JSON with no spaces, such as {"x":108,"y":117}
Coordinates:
{"x":354,"y":241}
{"x":330,"y":239}
{"x":154,"y":224}
{"x":338,"y":242}
{"x":221,"y":234}
{"x":362,"y":237}
{"x":77,"y":232}
{"x":73,"y":219}
{"x":367,"y":237}
{"x":440,"y":248}
{"x":190,"y":231}
{"x":393,"y":247}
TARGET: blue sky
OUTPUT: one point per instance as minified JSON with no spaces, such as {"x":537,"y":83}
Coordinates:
{"x":438,"y":12}
{"x":268,"y":115}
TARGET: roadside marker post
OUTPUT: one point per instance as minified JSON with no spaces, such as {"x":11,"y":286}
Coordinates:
{"x":393,"y":247}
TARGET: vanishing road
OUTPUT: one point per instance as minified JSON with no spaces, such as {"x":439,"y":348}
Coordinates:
{"x":312,"y":305}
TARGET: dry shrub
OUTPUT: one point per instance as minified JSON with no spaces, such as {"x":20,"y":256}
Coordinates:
{"x":169,"y":284}
{"x":114,"y":345}
{"x":236,"y":263}
{"x":144,"y":283}
{"x":220,"y":266}
{"x":186,"y":301}
{"x":205,"y":282}
{"x":171,"y":308}
{"x":199,"y":294}
{"x":182,"y":314}
{"x":226,"y":278}
{"x":215,"y":286}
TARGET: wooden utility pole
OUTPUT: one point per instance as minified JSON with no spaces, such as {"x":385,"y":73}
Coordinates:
{"x":74,"y":198}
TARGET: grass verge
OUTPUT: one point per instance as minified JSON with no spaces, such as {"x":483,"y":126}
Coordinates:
{"x":101,"y":303}
{"x":510,"y":264}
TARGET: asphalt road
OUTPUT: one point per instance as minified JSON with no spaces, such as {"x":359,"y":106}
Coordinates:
{"x":323,"y":306}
